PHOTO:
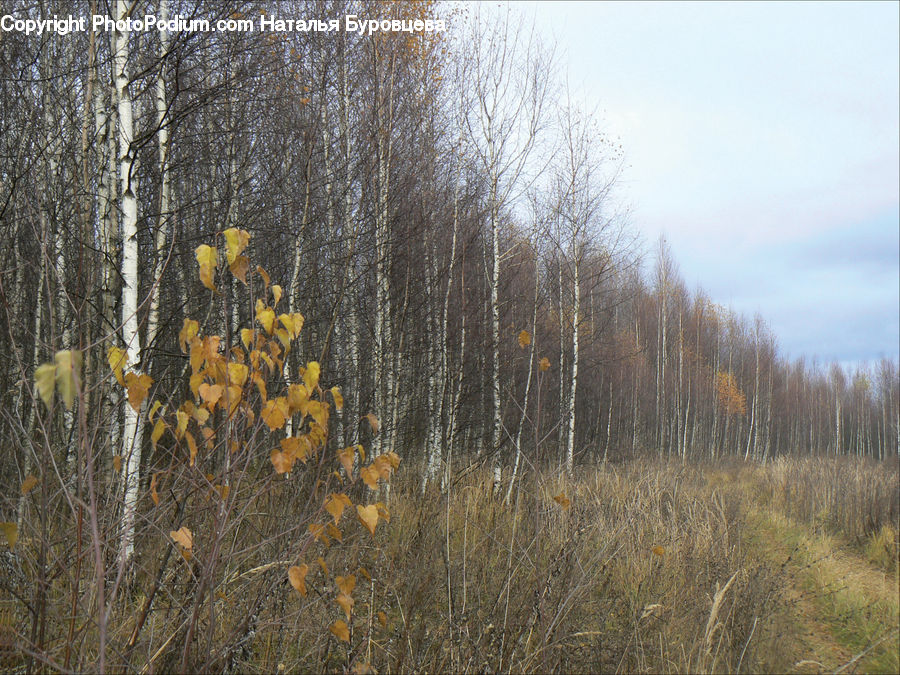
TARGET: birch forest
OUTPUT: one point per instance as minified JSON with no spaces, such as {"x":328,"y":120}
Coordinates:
{"x":339,"y":350}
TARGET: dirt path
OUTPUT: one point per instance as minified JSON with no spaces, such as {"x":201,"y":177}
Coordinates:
{"x":838,"y":606}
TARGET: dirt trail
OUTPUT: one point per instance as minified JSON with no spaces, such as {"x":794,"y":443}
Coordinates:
{"x":833,"y":592}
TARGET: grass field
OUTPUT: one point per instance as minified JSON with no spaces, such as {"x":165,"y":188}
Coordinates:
{"x":645,"y":566}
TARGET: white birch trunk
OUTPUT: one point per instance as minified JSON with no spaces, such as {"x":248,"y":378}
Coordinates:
{"x":576,"y":308}
{"x":131,"y":440}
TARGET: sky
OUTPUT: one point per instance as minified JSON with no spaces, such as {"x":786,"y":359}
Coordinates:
{"x":763,"y":141}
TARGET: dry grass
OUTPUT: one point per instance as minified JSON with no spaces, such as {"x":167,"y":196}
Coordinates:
{"x":652,"y":566}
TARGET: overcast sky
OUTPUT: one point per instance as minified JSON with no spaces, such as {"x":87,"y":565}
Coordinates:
{"x":763,"y":140}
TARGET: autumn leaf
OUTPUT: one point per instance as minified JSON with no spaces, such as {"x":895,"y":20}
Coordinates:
{"x":265,"y":277}
{"x":340,"y":630}
{"x":118,"y":359}
{"x":368,"y":516}
{"x":346,"y":602}
{"x":282,"y":461}
{"x":138,"y":387}
{"x":311,"y":375}
{"x":45,"y":379}
{"x":247,"y":337}
{"x":183,"y":536}
{"x":346,"y":456}
{"x":68,"y":370}
{"x":239,"y":268}
{"x":275,"y":413}
{"x":206,"y":258}
{"x":276,"y":293}
{"x":544,"y":364}
{"x":382,"y":619}
{"x":334,"y":532}
{"x":183,"y":419}
{"x":335,"y":505}
{"x":158,"y":430}
{"x":188,"y":331}
{"x":29,"y":483}
{"x":266,"y":317}
{"x":235,"y":242}
{"x":524,"y":339}
{"x":346,"y":584}
{"x":373,"y":422}
{"x":659,"y":551}
{"x":318,"y":533}
{"x":210,"y":393}
{"x":370,"y":476}
{"x":154,"y":495}
{"x":117,"y":463}
{"x":562,"y":500}
{"x":297,"y":576}
{"x":11,"y":530}
{"x":338,"y":398}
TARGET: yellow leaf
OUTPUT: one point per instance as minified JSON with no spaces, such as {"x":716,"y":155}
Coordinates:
{"x":118,"y":359}
{"x":346,"y":455}
{"x":201,"y":414}
{"x":138,"y":387}
{"x":183,"y":536}
{"x":322,"y":564}
{"x":346,"y":602}
{"x":297,"y":397}
{"x":544,"y":364}
{"x":284,"y":337}
{"x":362,"y":668}
{"x":276,"y":293}
{"x":373,"y":422}
{"x":196,"y":354}
{"x":239,"y":268}
{"x":335,"y":505}
{"x":338,"y":398}
{"x":68,"y":370}
{"x":266,"y":317}
{"x":237,"y":373}
{"x":346,"y":584}
{"x":658,"y":550}
{"x":156,"y":406}
{"x":369,"y":476}
{"x":334,"y":532}
{"x":206,"y":258}
{"x":11,"y":530}
{"x":524,"y":339}
{"x":311,"y":375}
{"x":154,"y":495}
{"x":265,"y":277}
{"x":260,"y":384}
{"x":383,"y":512}
{"x":319,"y":412}
{"x":189,"y":330}
{"x":117,"y":463}
{"x":183,"y":419}
{"x":368,"y":516}
{"x":282,"y":461}
{"x":562,"y":500}
{"x":235,"y":242}
{"x":318,"y":533}
{"x":29,"y":483}
{"x":45,"y":379}
{"x":340,"y":630}
{"x":382,"y":619}
{"x":275,"y":413}
{"x":247,"y":337}
{"x":297,"y":576}
{"x":157,"y":432}
{"x":210,"y":393}
{"x":192,"y":446}
{"x":298,"y":323}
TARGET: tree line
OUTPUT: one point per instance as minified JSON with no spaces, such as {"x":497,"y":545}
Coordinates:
{"x":433,"y":203}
